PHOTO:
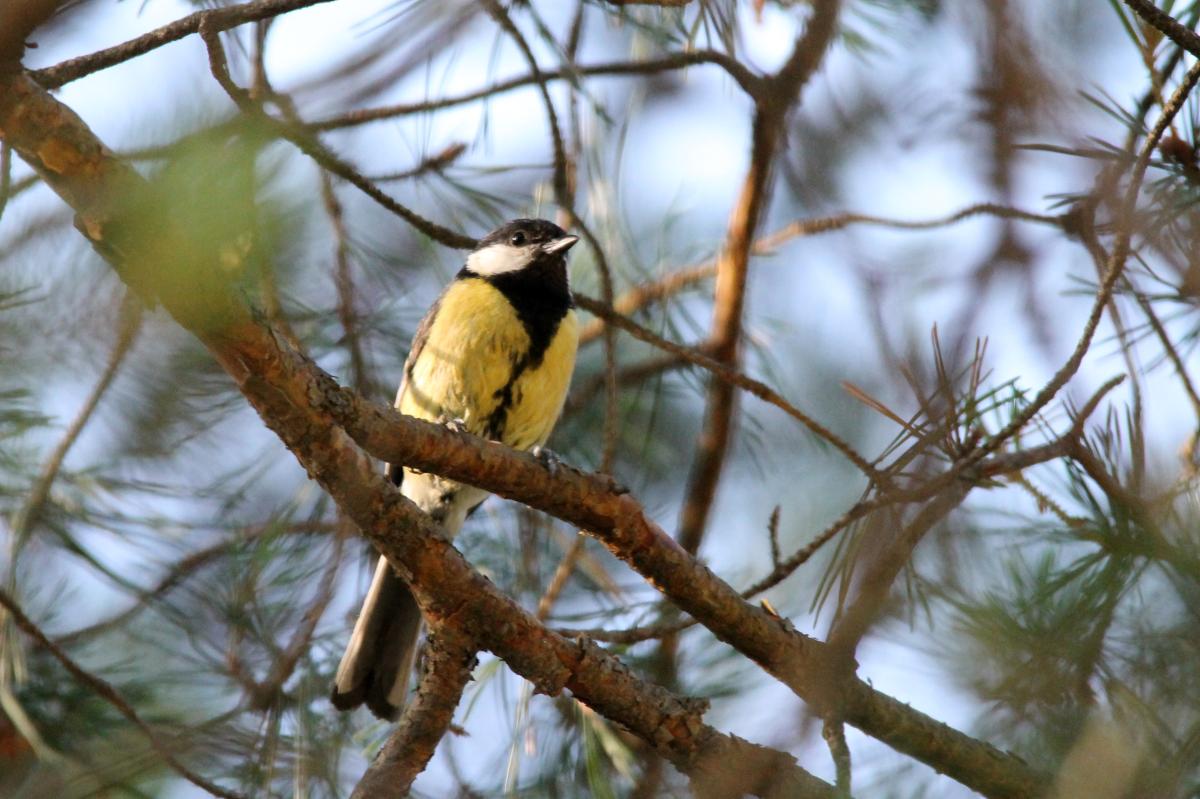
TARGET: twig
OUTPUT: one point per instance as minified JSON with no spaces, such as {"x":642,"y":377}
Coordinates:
{"x":834,"y":733}
{"x":744,"y":78}
{"x":265,"y":693}
{"x":128,"y":325}
{"x":313,"y":148}
{"x":179,"y":572}
{"x":109,"y":694}
{"x":432,"y":163}
{"x":563,"y":195}
{"x":780,"y":92}
{"x":220,"y":19}
{"x":728,"y":375}
{"x":561,"y":574}
{"x":773,"y":536}
{"x":1169,"y":26}
{"x":449,"y":661}
{"x":5,"y":176}
{"x":631,"y":375}
{"x":668,"y":285}
{"x":1115,"y":267}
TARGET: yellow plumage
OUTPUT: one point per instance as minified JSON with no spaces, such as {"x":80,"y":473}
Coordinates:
{"x":474,"y":342}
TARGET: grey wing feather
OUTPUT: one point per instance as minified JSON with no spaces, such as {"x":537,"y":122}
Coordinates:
{"x":418,"y":345}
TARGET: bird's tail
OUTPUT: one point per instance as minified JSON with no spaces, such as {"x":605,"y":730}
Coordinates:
{"x":379,"y":657}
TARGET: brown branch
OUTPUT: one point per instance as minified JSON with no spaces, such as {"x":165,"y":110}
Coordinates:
{"x":641,"y":295}
{"x":747,"y":80}
{"x":219,"y":19}
{"x":320,"y":422}
{"x":449,"y":661}
{"x":779,"y":93}
{"x":110,"y":695}
{"x":1170,"y":27}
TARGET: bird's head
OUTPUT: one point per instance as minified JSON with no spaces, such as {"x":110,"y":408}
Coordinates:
{"x":519,"y":245}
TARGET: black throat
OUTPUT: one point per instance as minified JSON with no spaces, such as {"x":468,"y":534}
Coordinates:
{"x":540,"y":295}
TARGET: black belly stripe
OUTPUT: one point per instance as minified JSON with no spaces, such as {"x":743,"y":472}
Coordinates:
{"x":499,"y":416}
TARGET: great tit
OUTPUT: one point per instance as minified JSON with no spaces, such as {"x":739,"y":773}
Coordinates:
{"x":493,"y":356}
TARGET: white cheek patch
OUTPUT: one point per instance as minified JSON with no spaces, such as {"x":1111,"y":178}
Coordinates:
{"x":499,"y":258}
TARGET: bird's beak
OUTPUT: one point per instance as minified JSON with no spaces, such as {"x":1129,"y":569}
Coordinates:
{"x":559,"y":245}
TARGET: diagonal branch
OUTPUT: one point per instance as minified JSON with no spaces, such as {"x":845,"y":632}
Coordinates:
{"x":219,"y":19}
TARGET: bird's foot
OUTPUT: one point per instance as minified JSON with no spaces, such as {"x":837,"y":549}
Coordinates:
{"x":457,"y":424}
{"x":548,"y":458}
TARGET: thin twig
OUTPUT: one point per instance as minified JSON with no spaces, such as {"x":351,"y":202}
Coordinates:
{"x":128,"y":325}
{"x":727,"y":374}
{"x":562,"y":573}
{"x":834,"y":733}
{"x":110,"y":695}
{"x":314,"y":149}
{"x":744,"y":78}
{"x":180,"y":571}
{"x":220,"y":19}
{"x":1115,"y":267}
{"x":267,"y":691}
{"x":562,"y":193}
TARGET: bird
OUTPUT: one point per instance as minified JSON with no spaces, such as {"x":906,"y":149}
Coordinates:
{"x":493,"y":356}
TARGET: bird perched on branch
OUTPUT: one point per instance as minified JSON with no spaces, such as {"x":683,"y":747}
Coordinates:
{"x":493,"y":357}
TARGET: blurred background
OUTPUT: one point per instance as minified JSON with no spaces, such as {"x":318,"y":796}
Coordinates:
{"x":172,"y":545}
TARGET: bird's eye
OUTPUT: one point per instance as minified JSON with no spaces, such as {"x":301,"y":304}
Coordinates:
{"x":517,"y":239}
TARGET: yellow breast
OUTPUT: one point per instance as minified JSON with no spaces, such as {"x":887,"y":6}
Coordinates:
{"x":473,"y":346}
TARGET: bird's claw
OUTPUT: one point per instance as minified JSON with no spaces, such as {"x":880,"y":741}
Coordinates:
{"x":548,"y":458}
{"x":457,"y":424}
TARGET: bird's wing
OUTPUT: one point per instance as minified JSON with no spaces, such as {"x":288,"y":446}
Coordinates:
{"x":418,"y":344}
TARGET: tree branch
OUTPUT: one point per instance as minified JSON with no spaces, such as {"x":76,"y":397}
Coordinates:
{"x":746,"y":79}
{"x":449,"y":662}
{"x":779,"y":93}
